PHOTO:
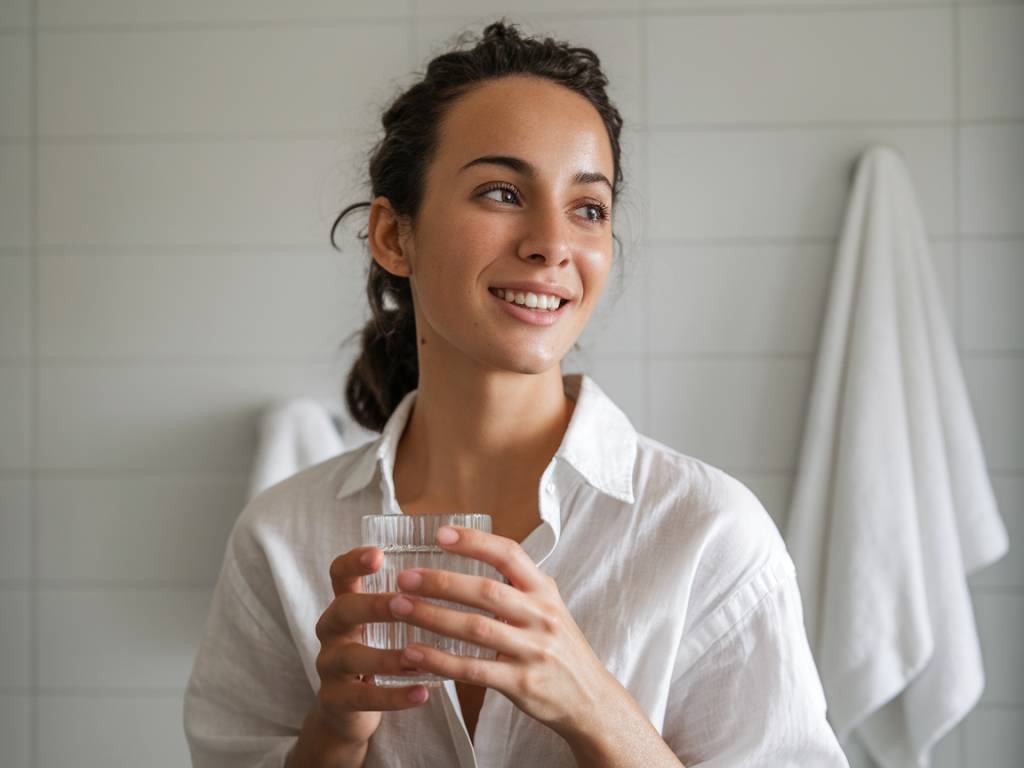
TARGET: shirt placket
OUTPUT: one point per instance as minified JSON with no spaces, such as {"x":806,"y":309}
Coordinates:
{"x":494,"y":721}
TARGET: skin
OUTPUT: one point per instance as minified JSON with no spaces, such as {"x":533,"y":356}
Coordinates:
{"x":489,"y":415}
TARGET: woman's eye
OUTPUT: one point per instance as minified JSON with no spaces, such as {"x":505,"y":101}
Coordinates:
{"x":599,"y":212}
{"x":502,"y":191}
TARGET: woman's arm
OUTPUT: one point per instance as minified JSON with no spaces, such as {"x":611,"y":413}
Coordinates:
{"x":619,"y":735}
{"x":319,"y":746}
{"x":745,"y":692}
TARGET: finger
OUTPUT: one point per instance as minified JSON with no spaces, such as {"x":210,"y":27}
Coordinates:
{"x":351,"y":609}
{"x":505,"y":554}
{"x":348,"y":569}
{"x":503,"y":600}
{"x":367,"y":697}
{"x":473,"y":627}
{"x":348,"y":658}
{"x":485,"y":672}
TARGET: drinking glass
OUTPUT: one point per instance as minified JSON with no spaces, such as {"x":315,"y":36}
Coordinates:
{"x":409,"y":541}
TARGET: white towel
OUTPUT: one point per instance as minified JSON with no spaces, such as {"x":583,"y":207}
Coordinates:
{"x":892,"y":506}
{"x":295,"y":434}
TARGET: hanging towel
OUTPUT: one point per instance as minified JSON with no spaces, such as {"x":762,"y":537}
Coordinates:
{"x":295,"y":434}
{"x":892,"y":505}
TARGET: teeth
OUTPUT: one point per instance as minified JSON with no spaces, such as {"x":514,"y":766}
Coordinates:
{"x":531,"y":300}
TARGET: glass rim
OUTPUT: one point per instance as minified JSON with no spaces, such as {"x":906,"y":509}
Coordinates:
{"x":430,"y":515}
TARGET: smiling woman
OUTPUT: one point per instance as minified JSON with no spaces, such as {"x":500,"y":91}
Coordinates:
{"x":651,"y":614}
{"x":495,"y":168}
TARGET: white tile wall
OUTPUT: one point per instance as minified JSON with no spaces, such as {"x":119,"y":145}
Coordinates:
{"x":95,"y":528}
{"x":16,"y":728}
{"x":991,"y":60}
{"x":16,"y":525}
{"x":85,"y":188}
{"x":15,"y":86}
{"x":222,"y":80}
{"x":737,"y":182}
{"x":15,"y":302}
{"x":98,"y":729}
{"x":234,"y":13}
{"x":288,"y":303}
{"x":15,"y":196}
{"x":810,"y":66}
{"x":156,"y":291}
{"x":16,"y":14}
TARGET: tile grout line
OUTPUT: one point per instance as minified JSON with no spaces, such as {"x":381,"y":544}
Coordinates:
{"x":188,"y":136}
{"x":220,"y":361}
{"x":34,"y":633}
{"x":73,"y":249}
{"x":781,"y":8}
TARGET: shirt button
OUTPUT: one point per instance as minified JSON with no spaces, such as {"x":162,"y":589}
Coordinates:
{"x":551,"y":488}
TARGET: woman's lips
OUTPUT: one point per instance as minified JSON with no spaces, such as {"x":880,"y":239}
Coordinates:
{"x":532,"y":316}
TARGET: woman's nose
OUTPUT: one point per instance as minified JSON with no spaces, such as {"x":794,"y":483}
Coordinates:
{"x":548,"y":237}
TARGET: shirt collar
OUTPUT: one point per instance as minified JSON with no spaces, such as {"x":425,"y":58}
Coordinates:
{"x":600,"y":443}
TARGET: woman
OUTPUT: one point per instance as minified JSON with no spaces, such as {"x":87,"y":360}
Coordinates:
{"x":665,"y":627}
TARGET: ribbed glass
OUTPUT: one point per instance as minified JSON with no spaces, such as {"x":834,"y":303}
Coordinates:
{"x":408,"y":541}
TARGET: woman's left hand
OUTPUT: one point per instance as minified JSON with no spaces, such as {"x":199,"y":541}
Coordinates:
{"x":544,"y":664}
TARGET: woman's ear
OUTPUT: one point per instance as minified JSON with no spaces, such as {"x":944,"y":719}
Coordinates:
{"x":387,"y":237}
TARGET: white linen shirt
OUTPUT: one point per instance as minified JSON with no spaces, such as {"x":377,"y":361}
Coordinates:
{"x":673,"y":570}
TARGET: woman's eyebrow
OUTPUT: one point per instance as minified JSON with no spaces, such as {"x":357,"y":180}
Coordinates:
{"x":523,"y":167}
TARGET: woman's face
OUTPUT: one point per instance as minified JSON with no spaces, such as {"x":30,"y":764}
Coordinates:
{"x":486,"y":224}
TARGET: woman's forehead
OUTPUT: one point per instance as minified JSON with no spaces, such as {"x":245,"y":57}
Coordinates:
{"x":550,"y":127}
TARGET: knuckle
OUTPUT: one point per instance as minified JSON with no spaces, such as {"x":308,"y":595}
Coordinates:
{"x":475,"y":674}
{"x":491,"y":591}
{"x":509,"y":559}
{"x":341,"y":660}
{"x":544,"y":651}
{"x":334,"y":700}
{"x":337,"y":568}
{"x":326,"y":624}
{"x":550,"y":620}
{"x":527,"y":683}
{"x":329,"y":662}
{"x":478,"y":627}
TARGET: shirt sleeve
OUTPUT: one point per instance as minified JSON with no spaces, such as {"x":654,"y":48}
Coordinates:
{"x":745,"y":691}
{"x":248,"y":694}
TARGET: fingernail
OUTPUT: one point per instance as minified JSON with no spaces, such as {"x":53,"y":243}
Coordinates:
{"x":366,"y":558}
{"x":400,"y":605}
{"x":447,"y":535}
{"x":410,"y":579}
{"x":413,"y":655}
{"x":418,"y":695}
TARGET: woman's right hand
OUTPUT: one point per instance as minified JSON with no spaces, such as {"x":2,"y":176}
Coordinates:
{"x":351,"y":706}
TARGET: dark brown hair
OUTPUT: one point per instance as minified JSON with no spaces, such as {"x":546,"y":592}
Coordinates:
{"x":388,"y":368}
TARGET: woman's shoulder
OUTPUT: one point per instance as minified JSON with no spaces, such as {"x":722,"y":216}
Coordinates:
{"x":298,"y":506}
{"x":728,"y":542}
{"x":700,"y":494}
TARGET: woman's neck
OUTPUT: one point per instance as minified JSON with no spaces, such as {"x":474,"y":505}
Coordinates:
{"x":481,"y":448}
